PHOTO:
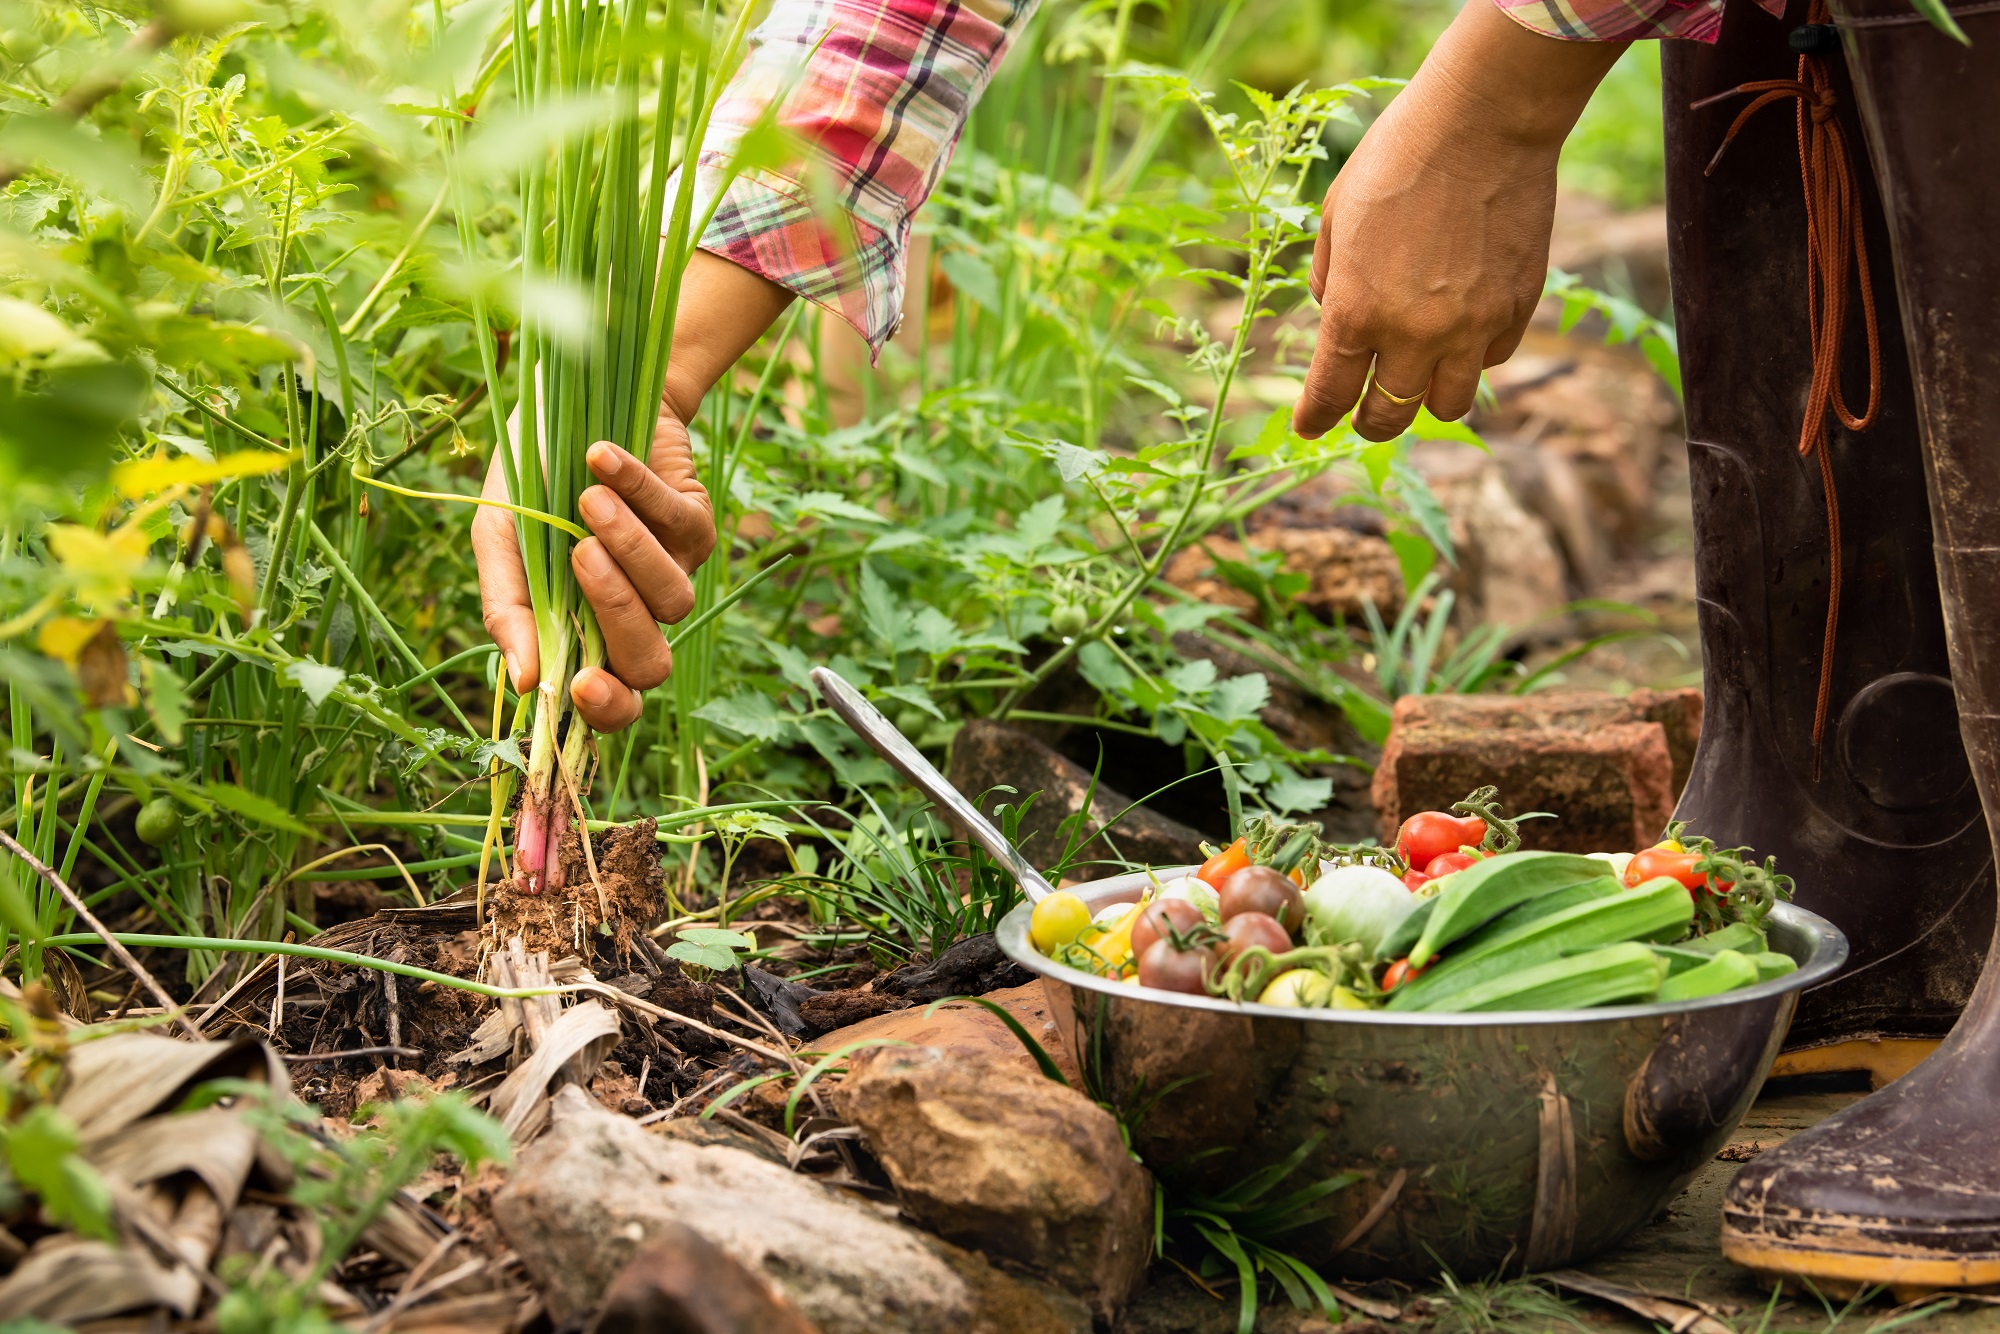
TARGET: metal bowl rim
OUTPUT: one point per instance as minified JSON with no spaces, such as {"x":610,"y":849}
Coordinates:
{"x":1829,"y":953}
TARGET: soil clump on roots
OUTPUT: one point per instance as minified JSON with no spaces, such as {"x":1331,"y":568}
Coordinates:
{"x":593,"y":917}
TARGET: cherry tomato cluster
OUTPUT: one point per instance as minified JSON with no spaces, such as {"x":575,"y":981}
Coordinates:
{"x":1261,"y":906}
{"x":1432,"y":844}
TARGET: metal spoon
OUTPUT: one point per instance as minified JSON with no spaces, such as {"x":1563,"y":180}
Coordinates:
{"x":890,"y":743}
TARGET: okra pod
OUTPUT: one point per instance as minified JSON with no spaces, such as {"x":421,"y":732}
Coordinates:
{"x":1483,"y":891}
{"x":1727,"y":971}
{"x":1625,"y":972}
{"x":1659,"y":908}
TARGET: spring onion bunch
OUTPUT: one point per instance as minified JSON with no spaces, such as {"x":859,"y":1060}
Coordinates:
{"x":597,"y":221}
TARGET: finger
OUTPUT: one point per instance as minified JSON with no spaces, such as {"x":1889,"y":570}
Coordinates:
{"x":1323,"y":243}
{"x":606,"y":703}
{"x":503,"y":587}
{"x":1454,"y":387}
{"x":661,"y":584}
{"x":1333,"y":384}
{"x":1403,"y":374}
{"x":632,"y":639}
{"x":674,"y":506}
{"x":1505,"y":345}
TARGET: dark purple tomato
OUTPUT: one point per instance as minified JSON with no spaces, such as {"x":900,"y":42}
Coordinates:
{"x":1260,"y":889}
{"x":1251,"y":928}
{"x":1159,"y":915}
{"x":1168,"y":969}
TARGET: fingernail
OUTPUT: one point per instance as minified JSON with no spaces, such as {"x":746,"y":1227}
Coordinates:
{"x":597,"y":507}
{"x":593,"y":690}
{"x":514,"y":672}
{"x":594,"y":558}
{"x":604,"y":460}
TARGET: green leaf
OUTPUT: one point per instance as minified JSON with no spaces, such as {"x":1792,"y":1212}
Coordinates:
{"x":62,"y":424}
{"x":918,"y":696}
{"x":1102,"y":669}
{"x":1415,"y":555}
{"x":1294,"y":793}
{"x":1240,"y":697}
{"x":315,"y":678}
{"x":166,"y":700}
{"x":973,"y":276}
{"x":253,"y":807}
{"x":887,"y":617}
{"x":748,"y":713}
{"x":42,"y":1154}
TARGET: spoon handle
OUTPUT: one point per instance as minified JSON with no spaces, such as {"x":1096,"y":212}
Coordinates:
{"x":889,"y":742}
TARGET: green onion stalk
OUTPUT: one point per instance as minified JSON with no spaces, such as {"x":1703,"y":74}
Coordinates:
{"x":596,"y":220}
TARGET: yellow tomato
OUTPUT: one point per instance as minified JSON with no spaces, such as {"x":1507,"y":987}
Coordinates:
{"x":1057,"y":920}
{"x":1299,"y":989}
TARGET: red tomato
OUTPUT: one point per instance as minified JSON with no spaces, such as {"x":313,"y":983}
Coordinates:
{"x":1251,"y":928}
{"x":1449,"y":862}
{"x":1169,"y":969}
{"x":1675,"y":865}
{"x":1159,"y":915}
{"x":1415,"y":880}
{"x":1225,"y":864}
{"x":1262,"y":890}
{"x":1399,"y":973}
{"x":1431,"y":834}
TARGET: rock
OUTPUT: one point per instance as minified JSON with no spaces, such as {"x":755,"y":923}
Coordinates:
{"x":969,"y":1031}
{"x":1009,"y":1163}
{"x":1346,"y":569}
{"x":681,"y":1283}
{"x":1508,"y":570}
{"x":827,"y":1010}
{"x":986,"y":754}
{"x":1608,"y":767}
{"x":970,"y":967}
{"x":587,"y":1196}
{"x":1602,"y":410}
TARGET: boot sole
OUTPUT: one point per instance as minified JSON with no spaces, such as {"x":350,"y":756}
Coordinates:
{"x":1907,"y":1272}
{"x":1884,"y":1059}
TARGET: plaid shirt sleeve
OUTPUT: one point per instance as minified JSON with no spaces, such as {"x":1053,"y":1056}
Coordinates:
{"x":1623,"y":20}
{"x":875,"y":93}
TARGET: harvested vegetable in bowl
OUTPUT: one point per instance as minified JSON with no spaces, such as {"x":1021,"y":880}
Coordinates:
{"x":1485,"y":926}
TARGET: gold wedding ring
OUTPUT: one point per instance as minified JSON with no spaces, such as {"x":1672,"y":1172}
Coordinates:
{"x":1398,"y":399}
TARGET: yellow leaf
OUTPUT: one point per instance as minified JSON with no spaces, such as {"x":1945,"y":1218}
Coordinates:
{"x":103,"y":565}
{"x":143,"y":477}
{"x":63,"y":637}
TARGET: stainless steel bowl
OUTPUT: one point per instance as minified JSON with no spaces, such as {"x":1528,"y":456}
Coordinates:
{"x":1533,"y":1139}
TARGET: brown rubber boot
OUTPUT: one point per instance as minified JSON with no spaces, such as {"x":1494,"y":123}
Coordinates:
{"x":1892,"y":791}
{"x":1903,"y":1188}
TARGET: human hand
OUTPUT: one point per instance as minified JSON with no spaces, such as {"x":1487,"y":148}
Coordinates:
{"x":653,"y":525}
{"x":1434,"y":239}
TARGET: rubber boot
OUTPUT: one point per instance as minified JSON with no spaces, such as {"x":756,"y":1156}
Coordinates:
{"x":1893,"y":793}
{"x":1903,"y":1187}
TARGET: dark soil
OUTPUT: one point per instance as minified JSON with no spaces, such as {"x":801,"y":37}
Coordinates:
{"x":598,"y":919}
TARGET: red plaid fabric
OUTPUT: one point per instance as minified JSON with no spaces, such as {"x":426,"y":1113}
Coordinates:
{"x":1623,"y":20}
{"x":876,"y":92}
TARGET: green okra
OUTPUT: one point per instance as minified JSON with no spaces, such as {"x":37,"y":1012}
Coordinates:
{"x":1481,"y":892}
{"x":1727,"y":971}
{"x":1624,"y":972}
{"x":1771,"y":964}
{"x":1659,"y":909}
{"x":1739,"y":936}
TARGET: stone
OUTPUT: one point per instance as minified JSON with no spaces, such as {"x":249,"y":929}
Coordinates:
{"x":1508,"y":571}
{"x":969,"y":967}
{"x":986,"y":755}
{"x":1609,"y":768}
{"x":682,"y":1283}
{"x":1009,"y":1163}
{"x":597,"y":1188}
{"x":972,"y":1032}
{"x":1347,"y":569}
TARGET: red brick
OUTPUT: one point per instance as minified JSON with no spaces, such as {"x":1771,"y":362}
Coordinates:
{"x":1608,"y":767}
